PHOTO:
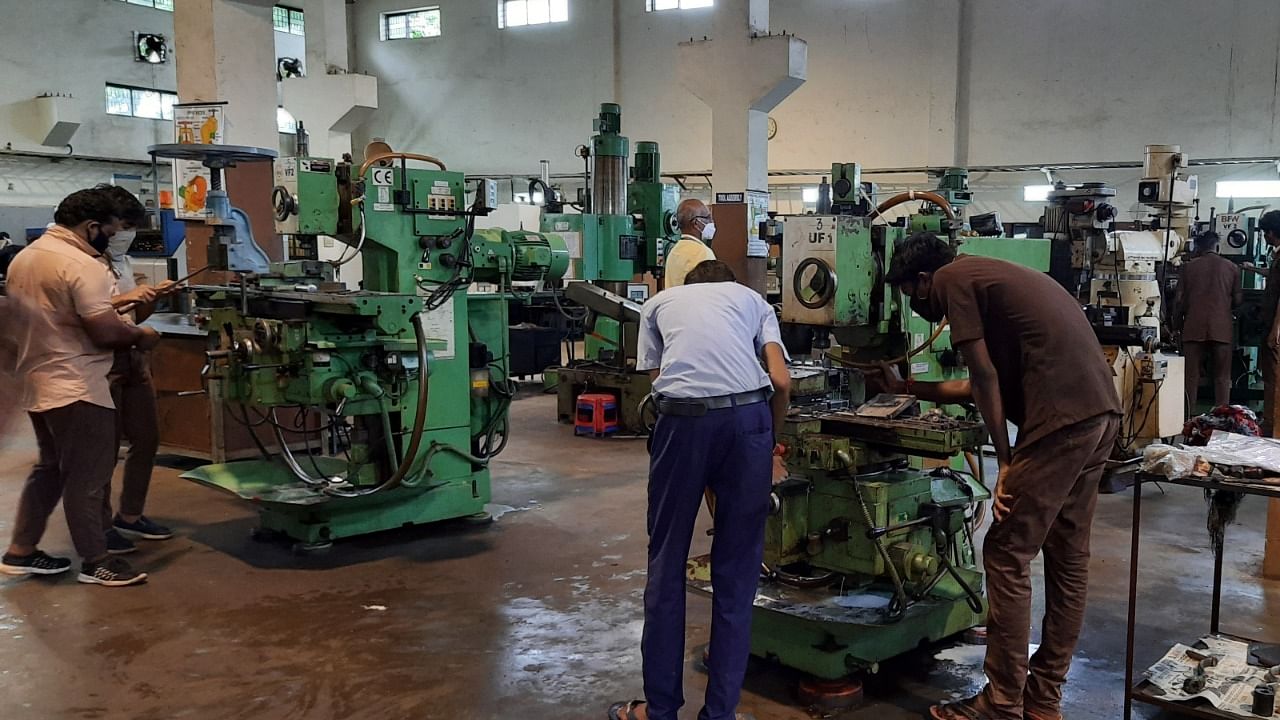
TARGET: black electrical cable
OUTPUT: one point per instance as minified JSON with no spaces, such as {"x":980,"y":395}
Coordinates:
{"x":256,"y":441}
{"x":572,"y":317}
{"x":498,"y":425}
{"x":1168,"y":230}
{"x":306,"y":444}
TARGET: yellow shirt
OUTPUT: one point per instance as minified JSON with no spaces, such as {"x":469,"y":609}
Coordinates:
{"x":59,"y":278}
{"x":685,"y":256}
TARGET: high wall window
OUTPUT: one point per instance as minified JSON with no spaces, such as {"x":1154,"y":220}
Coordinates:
{"x":157,"y":4}
{"x":516,"y":13}
{"x":411,"y":24}
{"x":288,"y":20}
{"x":651,"y":5}
{"x":140,"y":102}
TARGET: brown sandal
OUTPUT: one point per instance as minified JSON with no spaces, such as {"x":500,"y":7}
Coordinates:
{"x":959,"y":710}
{"x":626,"y":711}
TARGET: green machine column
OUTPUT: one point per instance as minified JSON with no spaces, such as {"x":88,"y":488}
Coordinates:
{"x":654,"y":204}
{"x":616,"y":248}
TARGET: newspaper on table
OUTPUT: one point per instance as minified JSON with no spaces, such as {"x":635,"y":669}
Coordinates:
{"x":1228,"y":685}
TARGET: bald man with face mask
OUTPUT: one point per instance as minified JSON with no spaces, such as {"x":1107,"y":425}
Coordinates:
{"x":697,"y":229}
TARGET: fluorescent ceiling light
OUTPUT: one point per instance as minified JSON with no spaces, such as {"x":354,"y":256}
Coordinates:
{"x":1036,"y":193}
{"x":809,"y":195}
{"x":1249,"y":189}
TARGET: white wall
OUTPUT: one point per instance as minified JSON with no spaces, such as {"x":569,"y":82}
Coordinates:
{"x":76,"y":47}
{"x":892,"y":83}
{"x":484,"y":99}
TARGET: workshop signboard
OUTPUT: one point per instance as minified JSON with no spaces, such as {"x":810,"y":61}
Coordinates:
{"x":202,"y":124}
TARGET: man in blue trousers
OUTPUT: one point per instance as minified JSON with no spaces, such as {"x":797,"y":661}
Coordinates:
{"x":703,"y":344}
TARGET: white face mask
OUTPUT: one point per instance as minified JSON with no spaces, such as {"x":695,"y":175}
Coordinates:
{"x":120,"y":242}
{"x":708,"y":231}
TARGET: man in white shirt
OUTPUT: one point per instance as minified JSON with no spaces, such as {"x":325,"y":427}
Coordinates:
{"x":696,"y":229}
{"x":717,"y":409}
{"x":137,"y":418}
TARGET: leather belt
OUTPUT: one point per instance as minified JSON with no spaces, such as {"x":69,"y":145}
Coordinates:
{"x":696,"y":407}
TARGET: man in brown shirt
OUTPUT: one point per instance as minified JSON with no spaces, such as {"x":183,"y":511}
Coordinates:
{"x":64,"y":346}
{"x":1034,"y":361}
{"x":1208,"y":290}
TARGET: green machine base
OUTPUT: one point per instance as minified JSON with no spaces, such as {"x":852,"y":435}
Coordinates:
{"x":311,"y":516}
{"x":832,"y":635}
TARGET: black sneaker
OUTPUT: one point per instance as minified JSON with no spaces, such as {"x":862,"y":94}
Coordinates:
{"x":37,"y":563}
{"x":112,"y":572}
{"x":144,"y":528}
{"x":118,"y":544}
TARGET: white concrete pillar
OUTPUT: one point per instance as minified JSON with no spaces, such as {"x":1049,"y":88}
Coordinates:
{"x":742,"y":73}
{"x":330,"y":103}
{"x":328,"y":46}
{"x":225,"y":51}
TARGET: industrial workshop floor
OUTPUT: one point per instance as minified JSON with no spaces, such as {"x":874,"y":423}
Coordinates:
{"x":534,"y":617}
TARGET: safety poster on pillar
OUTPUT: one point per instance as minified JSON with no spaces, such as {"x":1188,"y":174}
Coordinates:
{"x":758,"y":211}
{"x":202,"y":124}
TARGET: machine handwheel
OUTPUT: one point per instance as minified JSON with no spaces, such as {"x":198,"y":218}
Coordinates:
{"x":814,"y":282}
{"x":283,"y":202}
{"x":1237,"y":239}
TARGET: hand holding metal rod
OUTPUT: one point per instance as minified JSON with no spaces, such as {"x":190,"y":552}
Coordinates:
{"x":169,"y":290}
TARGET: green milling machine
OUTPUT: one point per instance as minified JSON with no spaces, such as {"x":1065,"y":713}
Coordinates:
{"x":869,"y":546}
{"x":627,"y":224}
{"x":407,"y":377}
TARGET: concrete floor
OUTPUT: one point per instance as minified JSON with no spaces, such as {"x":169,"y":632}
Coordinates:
{"x":535,"y":616}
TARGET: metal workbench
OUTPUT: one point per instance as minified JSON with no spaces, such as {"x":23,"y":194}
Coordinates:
{"x":1141,"y":692}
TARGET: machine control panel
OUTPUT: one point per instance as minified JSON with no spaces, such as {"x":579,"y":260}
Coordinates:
{"x":809,"y":270}
{"x":305,"y":196}
{"x":1234,"y":235}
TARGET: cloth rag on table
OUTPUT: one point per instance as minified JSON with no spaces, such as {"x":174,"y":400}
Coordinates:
{"x":1231,"y":418}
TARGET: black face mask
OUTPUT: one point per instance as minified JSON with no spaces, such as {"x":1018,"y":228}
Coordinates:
{"x":925,"y":309}
{"x":100,"y":241}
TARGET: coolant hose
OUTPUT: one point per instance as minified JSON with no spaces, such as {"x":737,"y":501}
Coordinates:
{"x":419,"y":420}
{"x":937,"y":332}
{"x":910,"y":195}
{"x":400,"y":155}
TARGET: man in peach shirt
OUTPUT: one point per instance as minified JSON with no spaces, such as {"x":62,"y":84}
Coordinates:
{"x":65,"y":346}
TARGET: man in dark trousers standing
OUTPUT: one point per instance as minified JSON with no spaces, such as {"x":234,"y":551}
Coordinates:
{"x":717,"y":409}
{"x":1034,"y":361}
{"x":1208,"y":289}
{"x":1269,"y":225}
{"x":64,"y":352}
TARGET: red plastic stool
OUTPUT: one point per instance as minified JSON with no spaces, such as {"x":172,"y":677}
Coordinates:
{"x":597,"y":415}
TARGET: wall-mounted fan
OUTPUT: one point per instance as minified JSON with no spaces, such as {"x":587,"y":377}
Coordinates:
{"x":287,"y":67}
{"x":150,"y":48}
